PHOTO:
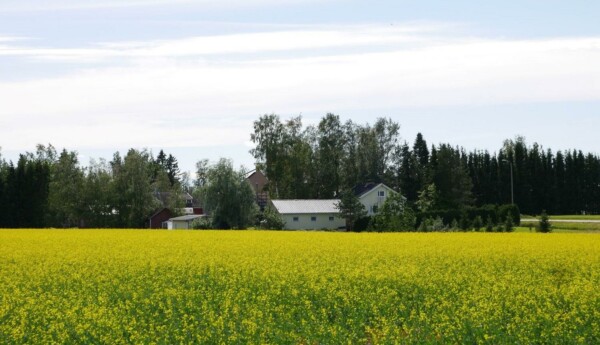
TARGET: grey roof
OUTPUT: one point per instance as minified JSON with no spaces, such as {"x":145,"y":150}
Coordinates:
{"x":159,"y":211}
{"x":306,"y":206}
{"x":364,"y":189}
{"x":361,"y":189}
{"x":164,"y":196}
{"x":188,"y":217}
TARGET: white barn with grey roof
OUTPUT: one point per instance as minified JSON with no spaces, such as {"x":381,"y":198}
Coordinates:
{"x":313,"y":214}
{"x":182,"y":222}
{"x":309,"y":214}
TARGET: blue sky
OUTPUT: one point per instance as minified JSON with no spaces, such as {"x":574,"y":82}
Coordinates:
{"x":191,"y":76}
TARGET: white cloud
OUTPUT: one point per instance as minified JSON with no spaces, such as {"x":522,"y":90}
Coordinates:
{"x":207,"y":46}
{"x":36,"y":5}
{"x":11,"y":38}
{"x":206,"y":91}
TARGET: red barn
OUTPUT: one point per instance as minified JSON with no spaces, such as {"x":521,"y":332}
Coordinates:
{"x":159,"y":218}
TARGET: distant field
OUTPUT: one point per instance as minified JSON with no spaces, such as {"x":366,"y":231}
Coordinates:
{"x":252,"y":287}
{"x":576,"y":226}
{"x":571,"y":228}
{"x":570,"y":217}
{"x":578,"y":217}
{"x":566,"y":227}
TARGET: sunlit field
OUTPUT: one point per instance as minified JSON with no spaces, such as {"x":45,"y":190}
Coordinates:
{"x":567,"y":227}
{"x":138,"y":286}
{"x":578,"y":217}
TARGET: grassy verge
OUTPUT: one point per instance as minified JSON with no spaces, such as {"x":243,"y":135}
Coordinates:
{"x":578,"y":217}
{"x":562,"y":227}
{"x":568,"y":217}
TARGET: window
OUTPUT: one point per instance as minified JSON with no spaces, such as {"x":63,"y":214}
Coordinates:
{"x":313,"y":219}
{"x":381,"y":193}
{"x":331,"y":219}
{"x":296,"y":219}
{"x":375,"y":208}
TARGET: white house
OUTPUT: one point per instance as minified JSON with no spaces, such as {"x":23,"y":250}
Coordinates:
{"x":373,"y":195}
{"x":183,"y":222}
{"x":312,"y":214}
{"x":309,"y":214}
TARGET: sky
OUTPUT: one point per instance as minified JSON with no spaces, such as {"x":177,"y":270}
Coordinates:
{"x":190,"y":77}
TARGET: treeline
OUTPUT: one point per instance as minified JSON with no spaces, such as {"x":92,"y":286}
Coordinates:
{"x":321,"y":161}
{"x":50,"y":189}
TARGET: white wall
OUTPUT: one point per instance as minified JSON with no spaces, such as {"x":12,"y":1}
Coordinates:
{"x":372,"y":198}
{"x":304,"y":221}
{"x":178,"y":224}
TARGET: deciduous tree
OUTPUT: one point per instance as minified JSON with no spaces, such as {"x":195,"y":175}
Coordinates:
{"x":229,"y":198}
{"x":65,"y":199}
{"x":394,"y":215}
{"x":351,"y":209}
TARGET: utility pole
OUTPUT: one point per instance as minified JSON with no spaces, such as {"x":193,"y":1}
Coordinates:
{"x":512,"y":186}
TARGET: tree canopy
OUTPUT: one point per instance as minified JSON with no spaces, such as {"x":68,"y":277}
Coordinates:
{"x":46,"y":188}
{"x":321,"y":161}
{"x":228,"y":197}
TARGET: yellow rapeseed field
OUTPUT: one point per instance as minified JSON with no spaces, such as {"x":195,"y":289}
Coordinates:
{"x":251,"y":287}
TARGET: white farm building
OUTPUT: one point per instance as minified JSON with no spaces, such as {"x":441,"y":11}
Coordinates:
{"x":313,"y":214}
{"x":309,"y":214}
{"x":182,"y":222}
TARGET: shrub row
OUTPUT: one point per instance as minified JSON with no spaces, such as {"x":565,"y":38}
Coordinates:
{"x":497,"y":214}
{"x":461,"y":218}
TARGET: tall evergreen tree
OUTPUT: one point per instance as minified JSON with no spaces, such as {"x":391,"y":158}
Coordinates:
{"x":172,"y":170}
{"x":421,"y":150}
{"x":408,"y":174}
{"x":544,"y":225}
{"x":451,"y":178}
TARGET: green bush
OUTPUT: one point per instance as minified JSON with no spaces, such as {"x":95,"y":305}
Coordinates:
{"x":484,"y":212}
{"x":430,"y":224}
{"x":454,"y":225}
{"x":508,"y":224}
{"x":544,"y":225}
{"x":395,"y":215}
{"x":477,"y":223}
{"x":464,"y":222}
{"x":491,"y":213}
{"x":489,"y":225}
{"x":202,"y":223}
{"x":512,"y":210}
{"x":362,"y":224}
{"x":271,"y":220}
